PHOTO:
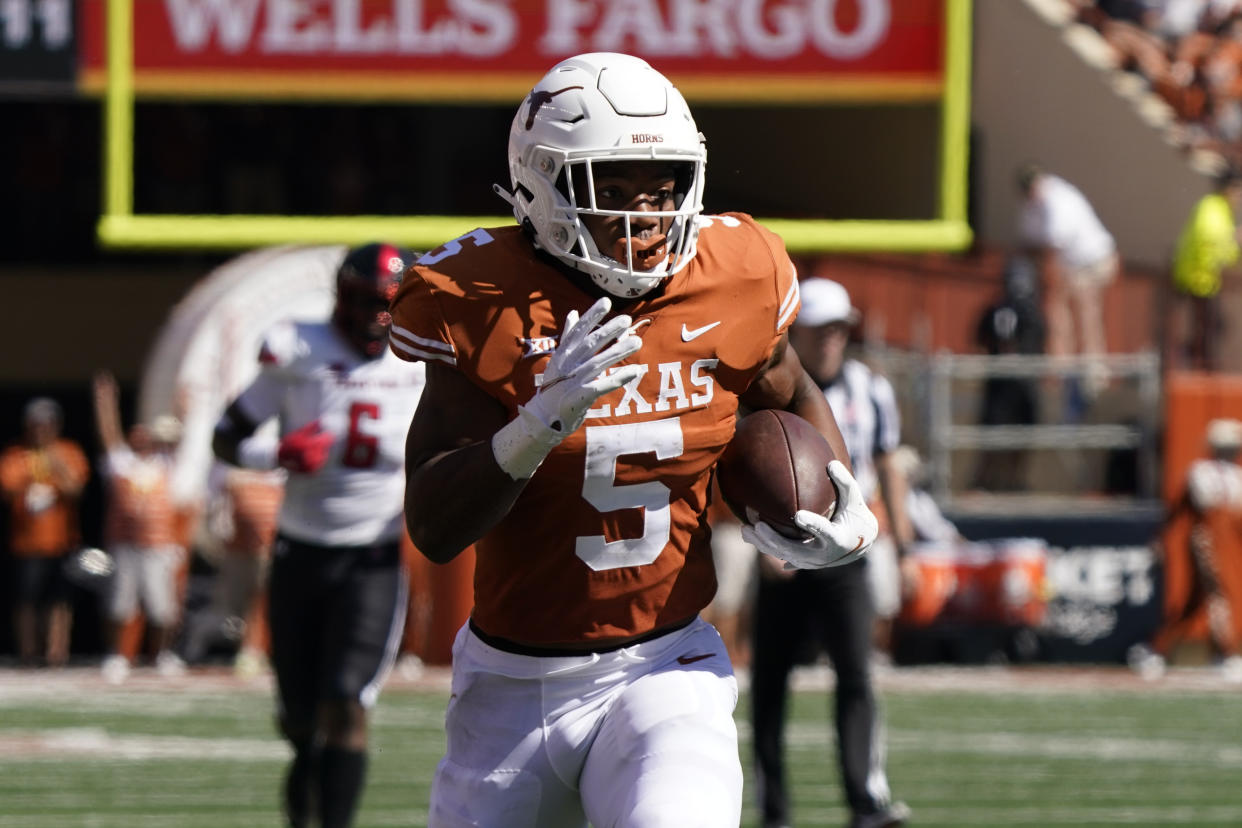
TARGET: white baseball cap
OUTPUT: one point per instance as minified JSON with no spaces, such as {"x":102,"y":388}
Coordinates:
{"x":824,"y":302}
{"x":42,"y":410}
{"x":1224,"y":433}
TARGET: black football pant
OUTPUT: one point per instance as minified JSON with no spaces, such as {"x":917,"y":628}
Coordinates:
{"x":337,"y":615}
{"x":794,"y":617}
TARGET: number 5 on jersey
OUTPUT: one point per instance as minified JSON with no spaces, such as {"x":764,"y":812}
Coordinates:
{"x":605,"y":445}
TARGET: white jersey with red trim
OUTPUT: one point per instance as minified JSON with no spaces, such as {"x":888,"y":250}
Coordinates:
{"x":309,"y":372}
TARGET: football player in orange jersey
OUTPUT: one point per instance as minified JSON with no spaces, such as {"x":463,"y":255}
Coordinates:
{"x":574,"y":445}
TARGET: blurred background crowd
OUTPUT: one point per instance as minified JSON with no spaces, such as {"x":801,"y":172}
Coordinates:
{"x":1187,"y":53}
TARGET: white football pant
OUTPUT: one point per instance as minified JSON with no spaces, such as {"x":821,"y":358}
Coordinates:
{"x":632,"y":738}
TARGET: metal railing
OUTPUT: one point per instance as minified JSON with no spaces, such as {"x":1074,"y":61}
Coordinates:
{"x":1138,"y":432}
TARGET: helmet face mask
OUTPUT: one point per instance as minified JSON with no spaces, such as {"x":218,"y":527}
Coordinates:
{"x":585,"y":114}
{"x":366,"y":282}
{"x":616,"y":232}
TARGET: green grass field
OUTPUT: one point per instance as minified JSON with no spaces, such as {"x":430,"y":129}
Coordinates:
{"x":1050,"y":747}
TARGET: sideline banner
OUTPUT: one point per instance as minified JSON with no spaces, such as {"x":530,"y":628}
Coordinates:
{"x":762,"y":51}
{"x":1101,"y":590}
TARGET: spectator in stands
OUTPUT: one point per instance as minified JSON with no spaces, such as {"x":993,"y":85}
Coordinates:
{"x":1130,"y":29}
{"x":242,"y":521}
{"x":836,"y":607}
{"x":143,"y":531}
{"x":1212,"y":500}
{"x":927,"y":523}
{"x":41,"y":478}
{"x":1188,"y":52}
{"x":1013,"y":325}
{"x":1077,"y":259}
{"x":1207,"y":246}
{"x":1218,"y":67}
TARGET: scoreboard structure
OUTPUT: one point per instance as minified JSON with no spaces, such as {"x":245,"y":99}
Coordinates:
{"x":741,"y":53}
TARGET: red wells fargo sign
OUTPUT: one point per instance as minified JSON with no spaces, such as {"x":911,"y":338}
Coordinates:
{"x":481,"y":50}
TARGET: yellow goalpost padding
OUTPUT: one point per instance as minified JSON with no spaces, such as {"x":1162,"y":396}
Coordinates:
{"x":119,"y":227}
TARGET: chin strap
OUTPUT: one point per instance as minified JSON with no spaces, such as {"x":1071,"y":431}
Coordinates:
{"x":507,"y":195}
{"x":511,"y":198}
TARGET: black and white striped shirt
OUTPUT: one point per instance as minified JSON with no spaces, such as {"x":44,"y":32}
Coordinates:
{"x":865,"y":408}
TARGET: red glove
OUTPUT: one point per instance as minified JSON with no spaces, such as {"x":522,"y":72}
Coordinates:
{"x":306,"y":450}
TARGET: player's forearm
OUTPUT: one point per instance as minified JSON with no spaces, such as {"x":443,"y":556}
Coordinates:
{"x":224,"y":447}
{"x":232,"y":431}
{"x":107,"y":411}
{"x":108,"y":425}
{"x":893,"y":489}
{"x":455,"y":498}
{"x":808,"y":402}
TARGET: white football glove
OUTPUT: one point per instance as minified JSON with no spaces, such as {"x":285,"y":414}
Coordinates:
{"x":836,"y":542}
{"x":573,"y":380}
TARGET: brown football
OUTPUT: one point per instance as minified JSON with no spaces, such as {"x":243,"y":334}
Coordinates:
{"x":775,"y":465}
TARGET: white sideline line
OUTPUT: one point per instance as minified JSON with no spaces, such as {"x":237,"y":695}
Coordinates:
{"x":1023,"y":745}
{"x":1194,"y":816}
{"x":1113,"y":749}
{"x":89,"y":743}
{"x":1041,"y":680}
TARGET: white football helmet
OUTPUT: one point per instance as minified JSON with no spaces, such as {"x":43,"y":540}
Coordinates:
{"x":595,"y":108}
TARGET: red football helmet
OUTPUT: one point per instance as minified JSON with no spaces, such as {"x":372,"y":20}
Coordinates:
{"x":366,"y":282}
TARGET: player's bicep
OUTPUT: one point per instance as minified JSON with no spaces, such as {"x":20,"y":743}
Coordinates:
{"x":453,"y":413}
{"x":777,"y":382}
{"x":450,"y":465}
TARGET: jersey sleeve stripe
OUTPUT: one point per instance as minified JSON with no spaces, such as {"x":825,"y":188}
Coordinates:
{"x":407,"y":343}
{"x":789,"y":305}
{"x":419,"y":353}
{"x":414,"y":339}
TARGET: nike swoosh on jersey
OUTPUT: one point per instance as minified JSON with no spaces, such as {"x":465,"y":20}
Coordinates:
{"x":693,"y":658}
{"x":687,"y":334}
{"x":859,"y":546}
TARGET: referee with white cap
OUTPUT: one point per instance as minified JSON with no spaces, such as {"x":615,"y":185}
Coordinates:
{"x":834,"y":608}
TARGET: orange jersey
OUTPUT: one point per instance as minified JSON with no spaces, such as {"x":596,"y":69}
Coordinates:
{"x":255,"y":497}
{"x":140,"y":510}
{"x":609,"y":539}
{"x":44,"y":521}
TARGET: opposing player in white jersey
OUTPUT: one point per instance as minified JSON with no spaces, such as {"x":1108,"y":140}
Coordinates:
{"x":337,"y":588}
